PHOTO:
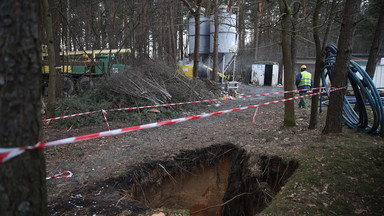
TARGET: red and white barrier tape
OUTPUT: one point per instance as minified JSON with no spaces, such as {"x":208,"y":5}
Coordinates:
{"x":182,"y":103}
{"x":8,"y":153}
{"x":105,"y":117}
{"x":61,"y":175}
{"x":254,"y":116}
{"x":68,"y":116}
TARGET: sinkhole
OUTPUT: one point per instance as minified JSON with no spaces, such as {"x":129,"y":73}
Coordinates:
{"x":218,"y":180}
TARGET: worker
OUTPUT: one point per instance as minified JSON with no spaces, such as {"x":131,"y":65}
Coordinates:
{"x":303,"y":81}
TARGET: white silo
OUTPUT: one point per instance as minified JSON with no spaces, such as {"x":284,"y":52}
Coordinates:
{"x":204,"y":35}
{"x":227,"y":31}
{"x":227,"y":44}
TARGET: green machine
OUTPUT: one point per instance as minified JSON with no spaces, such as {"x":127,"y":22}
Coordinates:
{"x":80,"y":75}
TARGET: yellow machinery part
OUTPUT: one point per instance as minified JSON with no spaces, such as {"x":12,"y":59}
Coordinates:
{"x":65,"y":69}
{"x":186,"y":71}
{"x":85,"y":53}
{"x":227,"y":77}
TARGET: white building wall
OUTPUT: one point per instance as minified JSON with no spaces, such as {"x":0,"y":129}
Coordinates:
{"x":378,"y":78}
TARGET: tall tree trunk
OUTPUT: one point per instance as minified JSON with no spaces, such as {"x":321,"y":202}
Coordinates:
{"x":376,"y":43}
{"x":230,"y":5}
{"x":195,"y":11}
{"x":241,"y":5}
{"x":256,"y":29}
{"x":98,"y":29}
{"x":197,"y":43}
{"x":87,"y":35}
{"x":172,"y":44}
{"x":260,"y":23}
{"x":56,"y":41}
{"x":51,"y":105}
{"x":215,"y":44}
{"x":318,"y":65}
{"x":22,"y":179}
{"x":69,"y":20}
{"x":320,"y":54}
{"x":334,"y":122}
{"x":113,"y":33}
{"x":294,"y":22}
{"x":289,"y":76}
{"x":133,"y":34}
{"x":181,"y":32}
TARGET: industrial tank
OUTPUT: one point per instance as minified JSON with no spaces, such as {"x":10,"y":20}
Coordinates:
{"x":204,"y":35}
{"x":227,"y":31}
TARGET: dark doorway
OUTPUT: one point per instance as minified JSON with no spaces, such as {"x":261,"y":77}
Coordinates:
{"x":268,"y":75}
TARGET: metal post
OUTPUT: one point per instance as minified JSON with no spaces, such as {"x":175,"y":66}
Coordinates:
{"x":209,"y":75}
{"x":234,"y":68}
{"x":222,"y":72}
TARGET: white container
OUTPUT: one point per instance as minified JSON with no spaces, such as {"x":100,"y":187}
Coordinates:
{"x":265,"y":74}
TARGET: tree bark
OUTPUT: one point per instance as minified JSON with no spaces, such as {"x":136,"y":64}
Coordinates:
{"x":197,"y":43}
{"x":289,"y":76}
{"x":260,"y":23}
{"x":294,"y":21}
{"x":22,"y":179}
{"x":51,"y":105}
{"x":241,"y":24}
{"x":181,"y":32}
{"x":376,"y":43}
{"x":320,"y":54}
{"x":56,"y":41}
{"x":215,"y":66}
{"x":256,"y":29}
{"x":334,"y":122}
{"x":318,"y":65}
{"x":195,"y":11}
{"x":172,"y":42}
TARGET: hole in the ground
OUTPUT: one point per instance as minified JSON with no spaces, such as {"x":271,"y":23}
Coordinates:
{"x":218,"y":180}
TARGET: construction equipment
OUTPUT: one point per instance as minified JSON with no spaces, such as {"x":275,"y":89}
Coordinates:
{"x":81,"y":71}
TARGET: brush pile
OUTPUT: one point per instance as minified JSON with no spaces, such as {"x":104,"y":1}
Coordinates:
{"x":158,"y":83}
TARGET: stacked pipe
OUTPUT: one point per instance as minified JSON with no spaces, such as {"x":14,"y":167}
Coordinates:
{"x":367,"y":115}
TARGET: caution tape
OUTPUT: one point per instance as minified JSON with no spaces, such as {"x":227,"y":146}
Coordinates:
{"x":105,"y":117}
{"x":65,"y":174}
{"x":254,"y":115}
{"x":183,"y":103}
{"x":68,"y":116}
{"x":8,"y":153}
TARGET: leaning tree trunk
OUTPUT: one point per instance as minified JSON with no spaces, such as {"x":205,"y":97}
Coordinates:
{"x":334,"y":122}
{"x":22,"y":179}
{"x":289,"y":76}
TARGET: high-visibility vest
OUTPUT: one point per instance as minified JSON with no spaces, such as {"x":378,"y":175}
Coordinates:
{"x":306,"y":79}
